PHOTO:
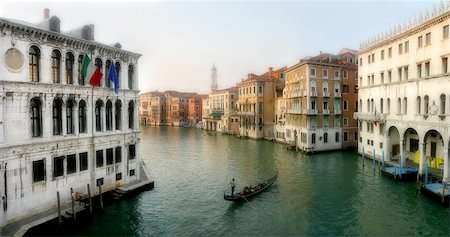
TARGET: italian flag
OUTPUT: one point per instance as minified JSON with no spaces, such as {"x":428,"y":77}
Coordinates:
{"x":90,"y":71}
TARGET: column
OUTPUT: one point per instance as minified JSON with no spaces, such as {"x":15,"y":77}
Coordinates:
{"x":446,"y":177}
{"x":402,"y":151}
{"x":423,"y":161}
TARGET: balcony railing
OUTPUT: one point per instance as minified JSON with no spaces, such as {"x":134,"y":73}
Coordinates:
{"x":337,"y":111}
{"x":370,"y":116}
{"x":313,"y":93}
{"x":337,"y":94}
{"x":310,"y":111}
{"x":293,"y":111}
{"x":326,"y":94}
{"x":325,"y":111}
{"x":246,"y":113}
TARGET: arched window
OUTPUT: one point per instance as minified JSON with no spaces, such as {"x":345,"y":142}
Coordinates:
{"x":82,"y":117}
{"x":36,"y":117}
{"x":69,"y":68}
{"x":118,"y":114}
{"x":118,"y":72}
{"x":130,"y":77}
{"x":34,"y":58}
{"x":418,"y":105}
{"x":399,"y":106}
{"x":388,"y":106}
{"x":131,"y":115}
{"x":98,"y":115}
{"x":345,"y":105}
{"x":109,"y":111}
{"x":360,"y":106}
{"x":56,"y":66}
{"x":325,"y":137}
{"x":69,"y":116}
{"x":442,"y":105}
{"x":107,"y":81}
{"x":426,"y":102}
{"x":80,"y":64}
{"x":336,"y":137}
{"x":345,"y":88}
{"x":368,"y":106}
{"x":372,"y":107}
{"x":99,"y":64}
{"x":381,"y":106}
{"x":405,"y":105}
{"x":57,"y":116}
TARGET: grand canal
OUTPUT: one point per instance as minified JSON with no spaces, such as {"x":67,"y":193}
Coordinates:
{"x":327,"y":194}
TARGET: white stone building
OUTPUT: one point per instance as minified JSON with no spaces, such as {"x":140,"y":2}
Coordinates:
{"x":57,"y":132}
{"x":404,"y":93}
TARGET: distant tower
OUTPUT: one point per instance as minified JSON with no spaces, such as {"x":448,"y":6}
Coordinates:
{"x":213,"y":78}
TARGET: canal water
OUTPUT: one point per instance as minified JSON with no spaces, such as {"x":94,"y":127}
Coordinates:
{"x":328,"y":194}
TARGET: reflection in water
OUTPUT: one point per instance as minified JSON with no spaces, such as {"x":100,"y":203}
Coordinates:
{"x":321,"y":194}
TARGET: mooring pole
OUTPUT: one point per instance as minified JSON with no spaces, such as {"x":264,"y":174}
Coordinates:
{"x":362,"y":157}
{"x":373,"y":160}
{"x":73,"y":205}
{"x":101,"y":199}
{"x":59,"y":208}
{"x":90,"y":200}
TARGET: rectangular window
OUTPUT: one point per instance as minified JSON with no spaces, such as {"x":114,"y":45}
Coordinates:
{"x":345,"y":136}
{"x":312,"y":72}
{"x":389,"y":75}
{"x":382,"y":77}
{"x":382,"y":54}
{"x":381,"y":145}
{"x":345,"y":121}
{"x":131,"y":151}
{"x":345,"y":74}
{"x":118,"y":176}
{"x":355,"y":136}
{"x":373,"y":57}
{"x":325,"y":73}
{"x":406,"y":72}
{"x":336,"y":75}
{"x":368,"y":58}
{"x":58,"y":166}
{"x":428,"y":39}
{"x":83,"y":161}
{"x":406,"y":46}
{"x":445,"y":65}
{"x":419,"y":70}
{"x":390,"y":52}
{"x":132,"y":172}
{"x":71,"y":164}
{"x":400,"y":73}
{"x":109,"y":156}
{"x":400,"y":48}
{"x":38,"y":170}
{"x":99,"y":158}
{"x":427,"y":69}
{"x":336,"y":137}
{"x":445,"y":32}
{"x":118,"y":154}
{"x":360,"y":62}
{"x":419,"y":42}
{"x":313,"y":138}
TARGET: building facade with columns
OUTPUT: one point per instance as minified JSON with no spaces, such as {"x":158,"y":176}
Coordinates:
{"x":404,"y":95}
{"x":57,"y":132}
{"x":222,"y":105}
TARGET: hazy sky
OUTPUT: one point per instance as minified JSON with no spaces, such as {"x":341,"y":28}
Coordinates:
{"x":180,"y":40}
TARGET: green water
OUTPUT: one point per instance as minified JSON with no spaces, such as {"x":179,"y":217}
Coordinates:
{"x":326,"y":194}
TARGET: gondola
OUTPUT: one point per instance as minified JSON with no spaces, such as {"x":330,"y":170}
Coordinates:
{"x":251,"y":191}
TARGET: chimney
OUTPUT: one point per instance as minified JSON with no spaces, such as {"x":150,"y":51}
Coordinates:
{"x":46,"y":13}
{"x":92,"y":32}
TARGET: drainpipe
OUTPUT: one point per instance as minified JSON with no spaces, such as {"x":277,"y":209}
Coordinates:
{"x":5,"y":195}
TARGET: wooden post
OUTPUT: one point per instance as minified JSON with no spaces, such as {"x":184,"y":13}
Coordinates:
{"x":89,"y":196}
{"x":73,"y":205}
{"x":59,"y":208}
{"x":101,"y":199}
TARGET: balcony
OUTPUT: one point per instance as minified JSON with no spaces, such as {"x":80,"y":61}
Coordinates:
{"x":337,"y":111}
{"x":310,"y":111}
{"x":370,"y":117}
{"x":313,"y":93}
{"x":293,"y":111}
{"x":325,"y":111}
{"x":326,"y":94}
{"x":246,"y":113}
{"x":337,"y":94}
{"x":295,"y":94}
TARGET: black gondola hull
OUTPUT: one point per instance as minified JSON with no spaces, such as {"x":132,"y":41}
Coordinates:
{"x":241,"y":197}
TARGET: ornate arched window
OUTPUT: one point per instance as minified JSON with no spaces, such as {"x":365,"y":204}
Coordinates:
{"x":109,"y":115}
{"x":69,"y":116}
{"x":69,"y":68}
{"x":56,"y":66}
{"x":130,"y":77}
{"x":98,"y":115}
{"x":82,"y":117}
{"x":118,"y":114}
{"x":36,"y":117}
{"x":57,"y":116}
{"x":34,"y":57}
{"x":131,"y":115}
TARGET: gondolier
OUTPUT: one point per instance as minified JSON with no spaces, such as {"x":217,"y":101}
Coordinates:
{"x":233,"y":185}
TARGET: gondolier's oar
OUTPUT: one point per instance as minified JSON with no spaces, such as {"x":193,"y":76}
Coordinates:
{"x":248,"y":202}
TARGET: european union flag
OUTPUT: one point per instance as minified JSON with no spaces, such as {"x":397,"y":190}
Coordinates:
{"x":113,"y":77}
